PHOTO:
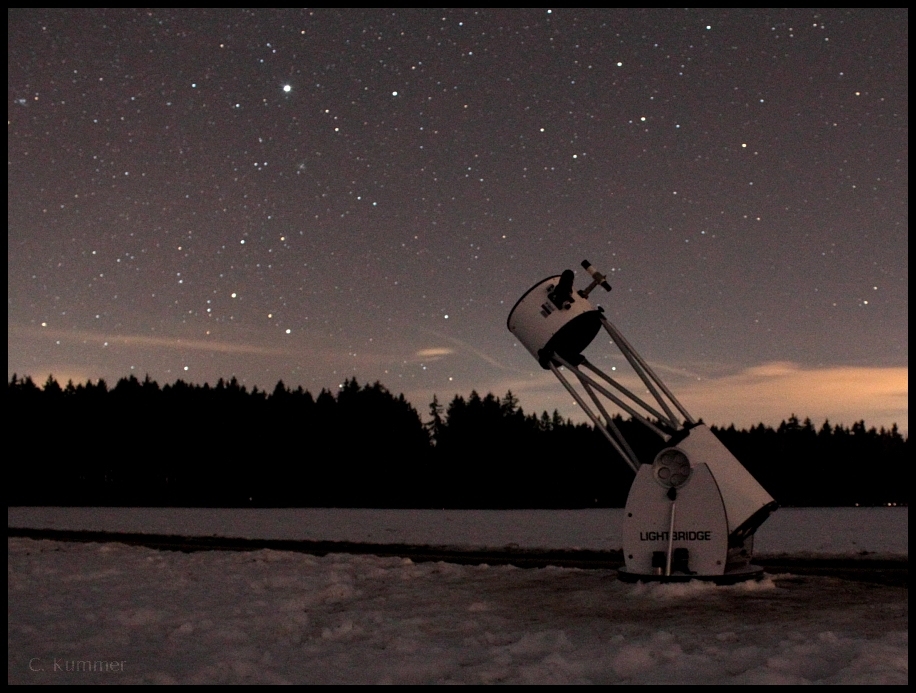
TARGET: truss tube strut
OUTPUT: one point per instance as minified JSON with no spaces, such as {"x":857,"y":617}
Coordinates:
{"x":638,"y":366}
{"x":664,"y":435}
{"x":601,"y":374}
{"x":611,"y":425}
{"x":626,"y":348}
{"x":591,"y":414}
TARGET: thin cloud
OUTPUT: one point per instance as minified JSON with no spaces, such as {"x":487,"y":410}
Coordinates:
{"x":435,"y":352}
{"x":465,"y":347}
{"x":770,"y":392}
{"x":145,"y":341}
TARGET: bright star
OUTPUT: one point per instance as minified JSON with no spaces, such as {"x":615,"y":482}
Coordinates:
{"x":287,"y":88}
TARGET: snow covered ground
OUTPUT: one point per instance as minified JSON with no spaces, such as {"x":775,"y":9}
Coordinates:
{"x":110,"y":613}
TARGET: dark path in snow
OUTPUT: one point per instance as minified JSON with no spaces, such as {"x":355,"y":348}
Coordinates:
{"x":892,"y":572}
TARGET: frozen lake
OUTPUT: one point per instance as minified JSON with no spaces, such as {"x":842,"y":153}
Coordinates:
{"x":877,"y":532}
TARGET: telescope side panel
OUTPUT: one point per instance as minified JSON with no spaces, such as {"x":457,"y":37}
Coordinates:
{"x":742,"y":495}
{"x":699,"y":523}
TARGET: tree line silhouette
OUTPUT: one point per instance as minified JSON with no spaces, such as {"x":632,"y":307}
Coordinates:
{"x":181,"y":444}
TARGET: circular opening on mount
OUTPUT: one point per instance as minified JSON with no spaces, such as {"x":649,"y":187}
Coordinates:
{"x":671,"y":468}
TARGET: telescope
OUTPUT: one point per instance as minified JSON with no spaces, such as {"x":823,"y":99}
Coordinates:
{"x":692,"y":511}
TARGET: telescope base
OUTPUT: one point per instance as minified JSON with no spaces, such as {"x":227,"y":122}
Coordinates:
{"x":743,"y":574}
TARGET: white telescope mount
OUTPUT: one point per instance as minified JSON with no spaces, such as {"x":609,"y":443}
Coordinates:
{"x":692,"y":512}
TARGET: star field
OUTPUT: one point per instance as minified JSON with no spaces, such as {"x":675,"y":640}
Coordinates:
{"x":310,"y":195}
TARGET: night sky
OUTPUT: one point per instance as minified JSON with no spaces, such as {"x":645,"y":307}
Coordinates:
{"x":310,"y":195}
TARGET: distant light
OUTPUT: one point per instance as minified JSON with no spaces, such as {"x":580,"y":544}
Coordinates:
{"x":446,"y":317}
{"x":288,"y":331}
{"x":287,"y":88}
